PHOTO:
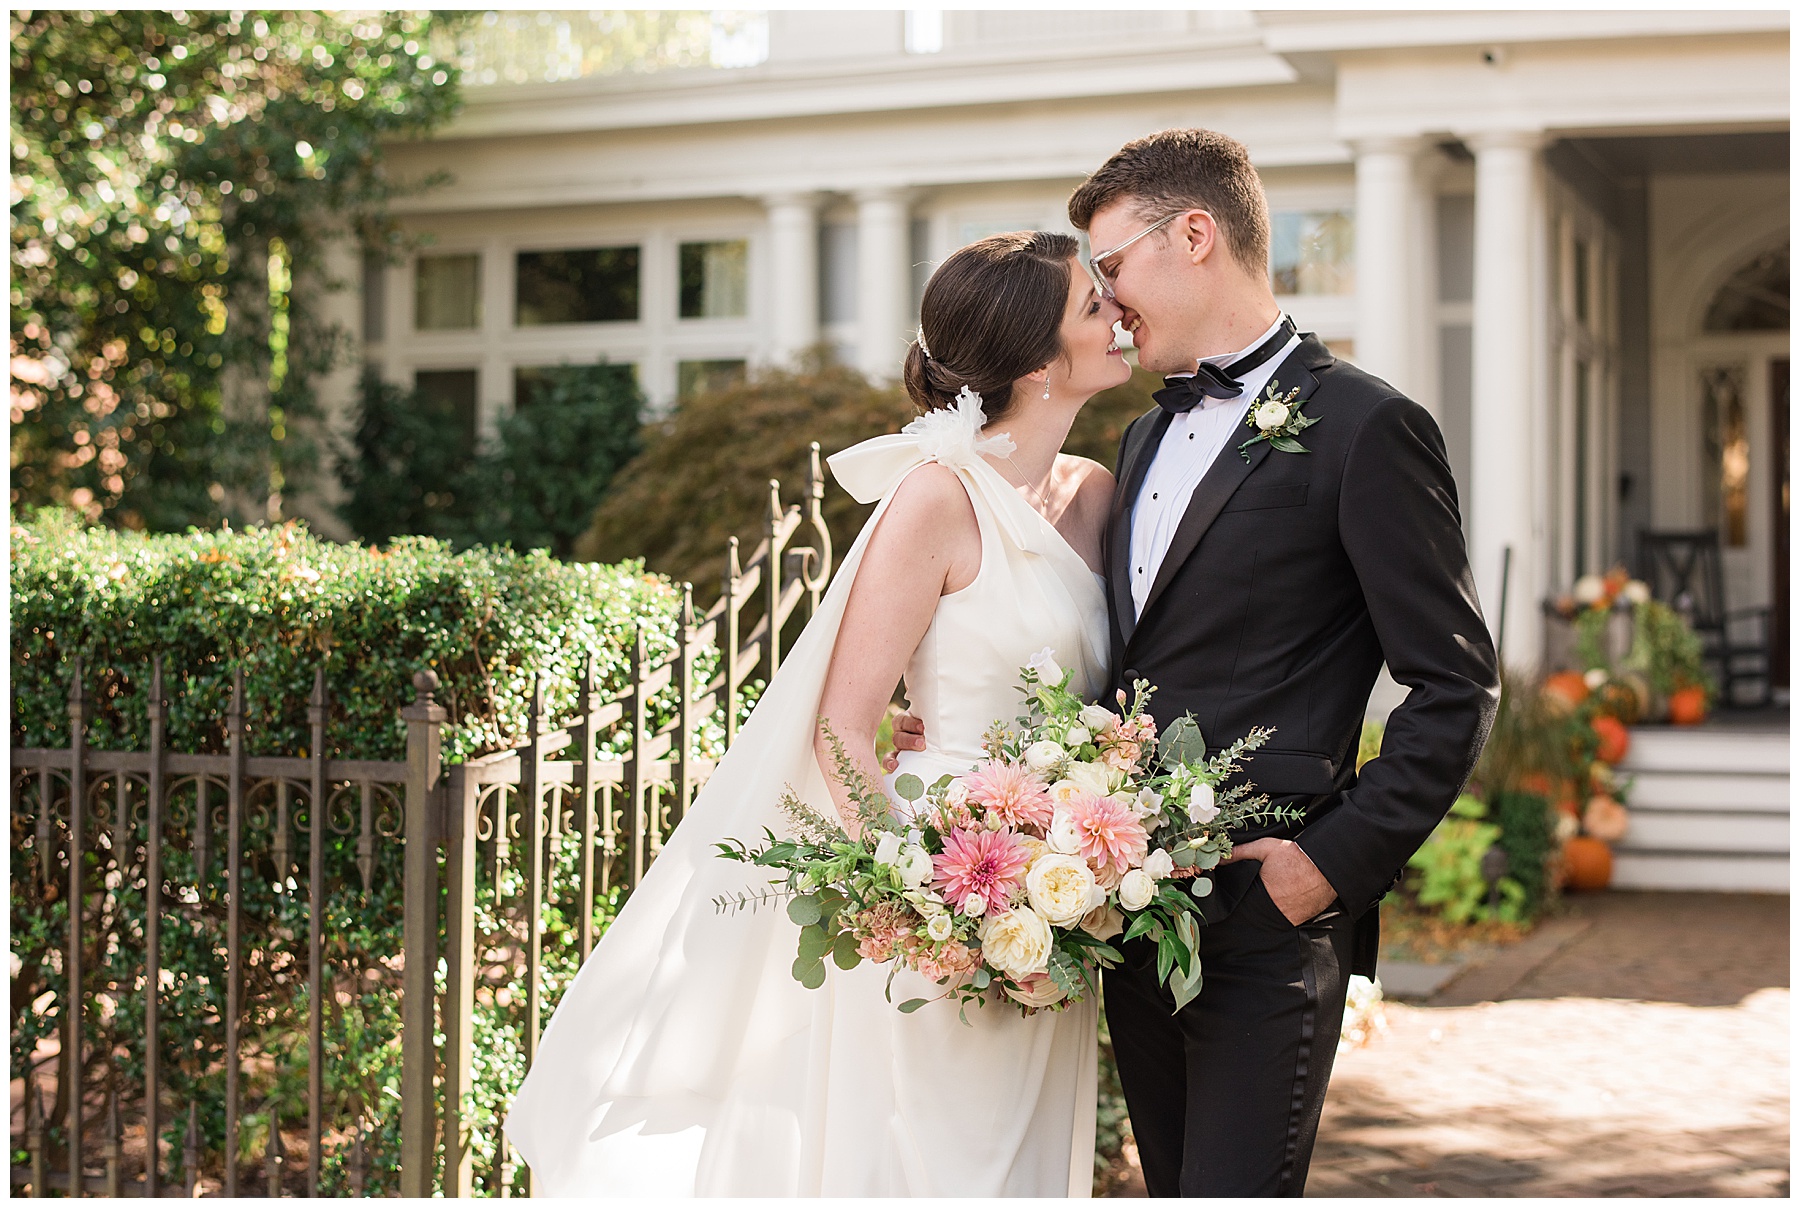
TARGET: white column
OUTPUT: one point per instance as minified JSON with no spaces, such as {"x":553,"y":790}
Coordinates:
{"x":1505,"y":473}
{"x":1388,"y":310}
{"x":884,"y":284}
{"x":793,"y":275}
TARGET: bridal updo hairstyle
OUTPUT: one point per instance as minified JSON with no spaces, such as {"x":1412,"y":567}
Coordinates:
{"x":991,"y":314}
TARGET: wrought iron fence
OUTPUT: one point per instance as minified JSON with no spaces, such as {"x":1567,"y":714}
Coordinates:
{"x":240,"y":861}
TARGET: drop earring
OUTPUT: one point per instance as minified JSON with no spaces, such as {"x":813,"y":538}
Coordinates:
{"x":1046,"y":390}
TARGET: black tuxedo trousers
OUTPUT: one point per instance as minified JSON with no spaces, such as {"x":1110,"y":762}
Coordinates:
{"x":1290,"y":579}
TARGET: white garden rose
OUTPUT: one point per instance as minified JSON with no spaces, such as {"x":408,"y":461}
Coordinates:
{"x":1064,"y":791}
{"x":1594,"y":678}
{"x":1095,"y":778}
{"x":1203,"y":806}
{"x":887,"y":848}
{"x":1271,"y":415}
{"x":1098,"y":718}
{"x":915,"y":867}
{"x":1103,"y":921}
{"x":974,"y":906}
{"x":1136,"y":889}
{"x":1637,"y":591}
{"x":1076,"y":735}
{"x":1044,"y":663}
{"x":1017,"y":943}
{"x":1159,"y":864}
{"x":940,"y":928}
{"x":1060,"y":888}
{"x":1064,"y":836}
{"x":1589,"y":589}
{"x":1042,"y":755}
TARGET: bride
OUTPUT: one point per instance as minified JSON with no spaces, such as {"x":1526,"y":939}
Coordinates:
{"x":685,"y":1059}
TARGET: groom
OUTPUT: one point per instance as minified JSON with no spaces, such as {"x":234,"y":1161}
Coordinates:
{"x":1264,"y":582}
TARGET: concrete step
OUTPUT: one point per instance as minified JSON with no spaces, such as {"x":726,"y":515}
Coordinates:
{"x":1708,"y":791}
{"x":1689,"y":871}
{"x":1762,"y":751}
{"x":1712,"y":831}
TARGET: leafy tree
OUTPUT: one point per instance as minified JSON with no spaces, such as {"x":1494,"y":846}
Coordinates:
{"x":177,"y":177}
{"x":704,"y":474}
{"x":411,"y":469}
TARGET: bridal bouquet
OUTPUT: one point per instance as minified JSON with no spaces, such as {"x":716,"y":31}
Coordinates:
{"x":1082,"y":825}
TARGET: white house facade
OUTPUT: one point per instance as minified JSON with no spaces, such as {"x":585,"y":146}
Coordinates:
{"x":1541,"y":225}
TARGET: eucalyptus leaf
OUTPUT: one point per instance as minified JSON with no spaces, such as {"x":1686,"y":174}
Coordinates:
{"x":815,"y":942}
{"x":1207,"y":859}
{"x":942,"y":782}
{"x":912,"y":1004}
{"x":804,"y":910}
{"x":910,"y":787}
{"x":982,"y":979}
{"x":1181,"y":743}
{"x":1203,"y":887}
{"x":813,"y":976}
{"x":1185,"y":858}
{"x":844,"y":953}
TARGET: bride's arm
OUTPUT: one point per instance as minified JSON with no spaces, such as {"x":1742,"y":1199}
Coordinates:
{"x":927,"y":545}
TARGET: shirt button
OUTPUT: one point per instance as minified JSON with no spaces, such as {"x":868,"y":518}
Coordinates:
{"x":1190,"y":436}
{"x":1154,"y":495}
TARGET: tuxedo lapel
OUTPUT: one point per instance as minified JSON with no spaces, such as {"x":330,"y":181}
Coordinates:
{"x":1227,"y":474}
{"x":1140,"y":451}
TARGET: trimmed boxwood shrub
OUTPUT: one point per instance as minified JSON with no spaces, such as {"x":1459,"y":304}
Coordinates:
{"x":280,"y":603}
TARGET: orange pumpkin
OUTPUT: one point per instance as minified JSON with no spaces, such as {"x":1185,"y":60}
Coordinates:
{"x":1538,"y":783}
{"x":1615,"y":739}
{"x":1566,"y":689}
{"x":1687,"y":706}
{"x":1587,"y":863}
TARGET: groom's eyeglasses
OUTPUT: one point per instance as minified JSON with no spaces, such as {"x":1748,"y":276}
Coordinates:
{"x":1103,"y":276}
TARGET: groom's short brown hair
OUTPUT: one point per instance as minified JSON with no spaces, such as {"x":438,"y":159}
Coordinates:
{"x":1174,"y":170}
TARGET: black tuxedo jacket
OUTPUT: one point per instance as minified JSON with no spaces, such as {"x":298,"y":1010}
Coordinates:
{"x":1290,"y":579}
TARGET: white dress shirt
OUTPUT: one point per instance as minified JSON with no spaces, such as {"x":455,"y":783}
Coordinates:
{"x":1189,"y":447}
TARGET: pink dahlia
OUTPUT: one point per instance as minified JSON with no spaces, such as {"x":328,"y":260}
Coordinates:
{"x":989,"y":863}
{"x":1017,"y":796}
{"x":1109,"y":833}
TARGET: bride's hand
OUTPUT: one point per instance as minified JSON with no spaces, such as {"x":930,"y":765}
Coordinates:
{"x":909,"y":735}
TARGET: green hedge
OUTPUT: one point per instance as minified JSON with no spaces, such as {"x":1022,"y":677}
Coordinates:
{"x":280,"y":603}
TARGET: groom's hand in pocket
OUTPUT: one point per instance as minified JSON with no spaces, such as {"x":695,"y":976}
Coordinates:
{"x":909,"y":735}
{"x":1296,"y":886}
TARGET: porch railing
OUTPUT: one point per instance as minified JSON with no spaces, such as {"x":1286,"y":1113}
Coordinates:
{"x":558,"y":824}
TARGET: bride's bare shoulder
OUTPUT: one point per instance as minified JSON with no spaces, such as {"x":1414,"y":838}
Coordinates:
{"x":932,"y":503}
{"x":1090,"y":483}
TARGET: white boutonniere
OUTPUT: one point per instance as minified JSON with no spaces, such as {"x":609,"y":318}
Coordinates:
{"x":1277,"y":419}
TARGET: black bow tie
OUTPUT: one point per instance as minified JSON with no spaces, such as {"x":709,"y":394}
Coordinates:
{"x":1181,"y":394}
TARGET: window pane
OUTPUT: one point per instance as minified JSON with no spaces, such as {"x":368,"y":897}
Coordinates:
{"x":1581,"y":281}
{"x":589,"y":285}
{"x":715,"y":280}
{"x":1312,"y":252}
{"x":698,"y":377}
{"x":448,"y":293}
{"x":1755,"y":298}
{"x":1727,"y":435}
{"x":374,"y":297}
{"x":530,"y":381}
{"x":450,"y":395}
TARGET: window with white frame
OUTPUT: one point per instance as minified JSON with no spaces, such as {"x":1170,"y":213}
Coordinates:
{"x":715,"y":279}
{"x":447,"y":292}
{"x":580,"y":285}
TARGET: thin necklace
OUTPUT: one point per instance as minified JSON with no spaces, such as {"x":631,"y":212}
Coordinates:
{"x":1043,"y":505}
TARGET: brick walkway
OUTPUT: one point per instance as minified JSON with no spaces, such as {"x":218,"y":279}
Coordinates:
{"x":1645,"y":1055}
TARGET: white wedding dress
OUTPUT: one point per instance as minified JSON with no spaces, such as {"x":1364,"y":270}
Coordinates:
{"x":686,"y":1060}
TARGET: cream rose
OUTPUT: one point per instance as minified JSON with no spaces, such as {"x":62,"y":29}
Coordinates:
{"x":1064,"y":836}
{"x":1037,"y":991}
{"x":1064,"y":791}
{"x":1136,"y":889}
{"x":1016,"y":943}
{"x":1271,"y":415}
{"x":1042,"y":755}
{"x":1103,"y":921}
{"x":974,"y":906}
{"x":915,"y":867}
{"x":1075,"y":736}
{"x":1094,"y":778}
{"x":1159,"y":864}
{"x":1060,"y":888}
{"x":1098,"y":718}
